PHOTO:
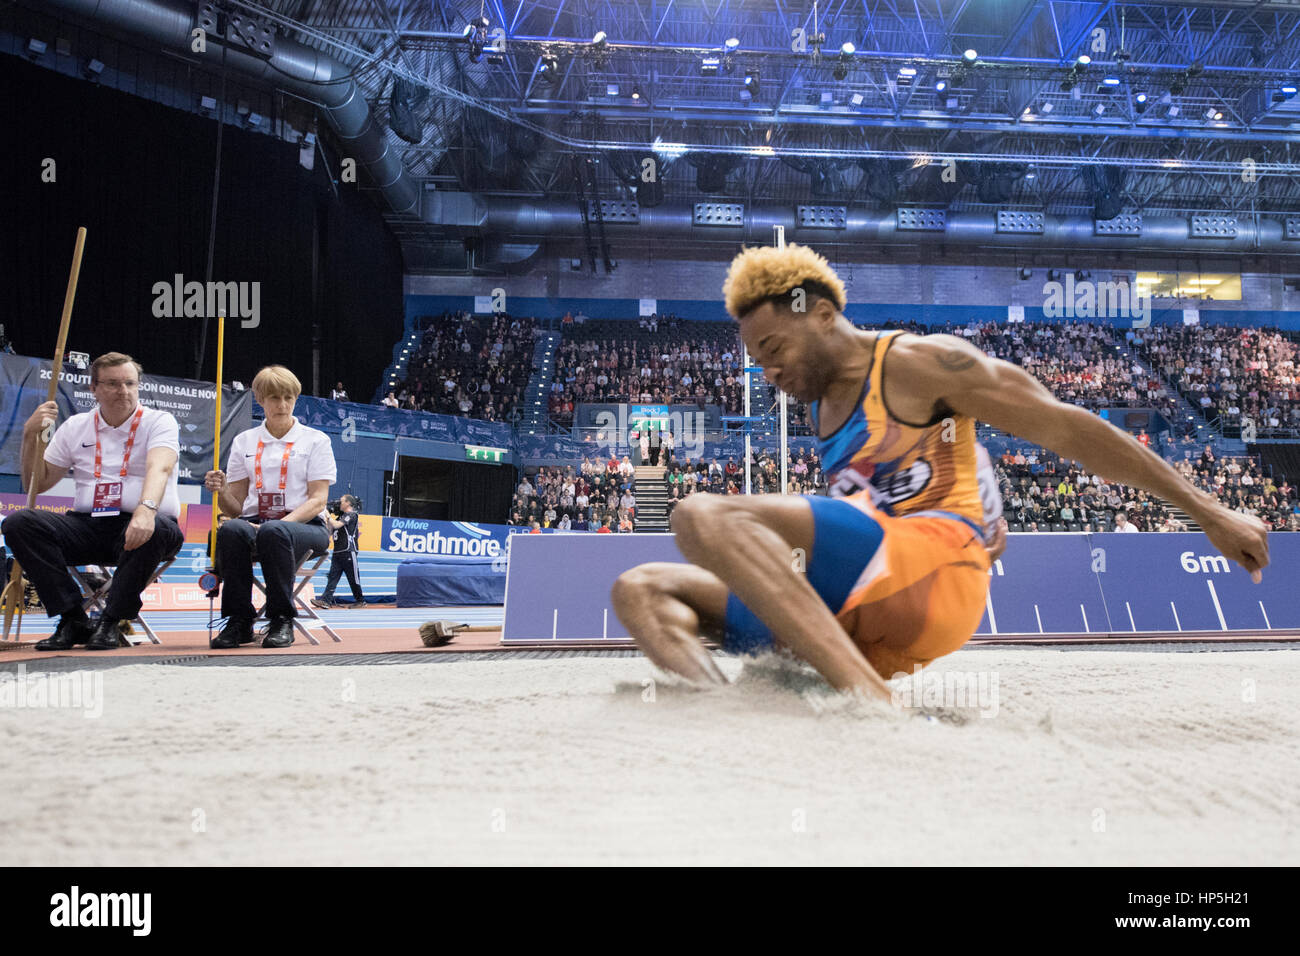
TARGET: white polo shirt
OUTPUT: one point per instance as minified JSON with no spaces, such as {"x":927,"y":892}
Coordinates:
{"x":73,"y":446}
{"x":310,"y":459}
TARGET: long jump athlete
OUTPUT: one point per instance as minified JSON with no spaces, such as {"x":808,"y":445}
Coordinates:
{"x":891,"y":569}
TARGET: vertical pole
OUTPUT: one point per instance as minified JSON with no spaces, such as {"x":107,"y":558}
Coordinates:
{"x":216,"y":430}
{"x":785,"y":441}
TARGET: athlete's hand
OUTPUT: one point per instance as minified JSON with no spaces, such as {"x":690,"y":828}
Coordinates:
{"x":1243,"y":538}
{"x":998,"y":543}
{"x":214,"y":480}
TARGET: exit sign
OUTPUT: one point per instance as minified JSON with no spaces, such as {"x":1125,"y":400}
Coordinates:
{"x":484,"y":453}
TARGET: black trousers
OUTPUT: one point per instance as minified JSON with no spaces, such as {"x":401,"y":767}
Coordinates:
{"x":47,"y":543}
{"x":343,"y":562}
{"x":278,"y":546}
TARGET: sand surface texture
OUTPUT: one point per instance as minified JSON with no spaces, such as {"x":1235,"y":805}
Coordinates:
{"x":1084,"y":757}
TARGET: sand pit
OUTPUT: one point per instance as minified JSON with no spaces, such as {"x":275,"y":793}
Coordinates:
{"x":1092,"y":757}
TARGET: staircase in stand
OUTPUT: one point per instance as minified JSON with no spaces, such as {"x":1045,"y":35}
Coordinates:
{"x":651,"y":499}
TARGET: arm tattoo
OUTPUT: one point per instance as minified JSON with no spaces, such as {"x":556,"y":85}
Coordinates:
{"x":955,"y":360}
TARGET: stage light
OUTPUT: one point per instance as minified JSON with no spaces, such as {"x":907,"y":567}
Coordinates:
{"x":749,"y":89}
{"x":856,"y":99}
{"x":732,"y":45}
{"x":1082,"y":62}
{"x":611,"y":89}
{"x":969,"y":57}
{"x":254,"y":120}
{"x":940,"y":86}
{"x":1025,"y":272}
{"x":599,"y":40}
{"x":1140,"y":103}
{"x":36,"y":48}
{"x":1047,"y":107}
{"x":847,"y":50}
{"x":1288,"y":91}
{"x":636,"y":92}
{"x":1210,"y":113}
{"x":549,"y":70}
{"x":1098,"y":109}
{"x":94,"y":69}
{"x":1173,"y":112}
{"x":1196,"y":68}
{"x":208,"y":105}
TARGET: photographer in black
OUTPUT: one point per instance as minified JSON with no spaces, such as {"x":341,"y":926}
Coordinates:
{"x":343,"y":520}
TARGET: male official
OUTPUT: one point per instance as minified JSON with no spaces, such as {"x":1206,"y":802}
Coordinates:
{"x":123,"y":460}
{"x":344,"y":559}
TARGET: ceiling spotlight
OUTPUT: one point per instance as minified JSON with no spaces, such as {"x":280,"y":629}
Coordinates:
{"x":1098,"y":109}
{"x":636,"y":92}
{"x":549,"y":70}
{"x":749,"y":89}
{"x":1196,"y":68}
{"x":94,"y":69}
{"x":1140,"y":102}
{"x":36,"y":48}
{"x":856,"y":99}
{"x":611,"y":89}
{"x":600,"y":39}
{"x":840,"y":72}
{"x":1178,"y":85}
{"x":731,"y":45}
{"x":1218,"y":115}
{"x":1046,"y":107}
{"x":1025,"y":272}
{"x":254,"y":120}
{"x":940,"y":86}
{"x":1210,"y":113}
{"x":969,"y":57}
{"x":1108,"y":85}
{"x":1173,"y":112}
{"x":848,"y":49}
{"x":1082,"y":62}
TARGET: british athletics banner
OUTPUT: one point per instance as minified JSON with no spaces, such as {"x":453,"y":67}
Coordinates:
{"x":24,"y":383}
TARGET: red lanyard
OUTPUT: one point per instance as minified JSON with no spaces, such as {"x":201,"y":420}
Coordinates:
{"x":284,"y":464}
{"x":126,"y":452}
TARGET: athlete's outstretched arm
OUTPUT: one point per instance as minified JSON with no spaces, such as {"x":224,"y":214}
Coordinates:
{"x":947,"y":371}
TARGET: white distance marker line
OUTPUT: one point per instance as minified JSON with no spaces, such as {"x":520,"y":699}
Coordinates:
{"x":1040,"y":619}
{"x":993,"y":621}
{"x":1176,"y":621}
{"x":1223,"y":625}
{"x":1131,"y":625}
{"x":555,"y":622}
{"x":604,"y":626}
{"x":1085,"y":619}
{"x":1265,"y":613}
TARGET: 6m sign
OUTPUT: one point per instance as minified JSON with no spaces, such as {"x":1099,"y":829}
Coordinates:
{"x":484,"y":453}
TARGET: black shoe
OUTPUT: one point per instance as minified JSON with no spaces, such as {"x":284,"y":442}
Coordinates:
{"x":107,"y":636}
{"x":279,"y":633}
{"x":69,"y":633}
{"x":237,"y":631}
{"x":356,"y":604}
{"x":323,"y":603}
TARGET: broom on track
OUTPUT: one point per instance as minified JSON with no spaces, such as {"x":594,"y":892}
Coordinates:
{"x":11,"y":600}
{"x":438,"y":633}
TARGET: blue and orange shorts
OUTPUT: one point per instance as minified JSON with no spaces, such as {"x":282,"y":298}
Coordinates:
{"x":907,"y":590}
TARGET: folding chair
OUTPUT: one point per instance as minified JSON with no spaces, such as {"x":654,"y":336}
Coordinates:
{"x":302,"y":604}
{"x":93,"y":595}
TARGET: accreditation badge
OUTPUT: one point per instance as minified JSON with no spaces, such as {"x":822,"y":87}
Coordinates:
{"x":270,"y":505}
{"x":107,"y":500}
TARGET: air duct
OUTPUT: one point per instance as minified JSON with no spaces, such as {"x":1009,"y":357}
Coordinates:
{"x":292,"y":66}
{"x":467,"y":214}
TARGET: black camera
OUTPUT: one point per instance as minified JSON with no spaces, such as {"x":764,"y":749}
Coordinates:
{"x":336,"y":506}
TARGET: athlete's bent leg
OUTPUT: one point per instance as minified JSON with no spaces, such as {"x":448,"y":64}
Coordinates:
{"x":749,"y":543}
{"x":665,"y":607}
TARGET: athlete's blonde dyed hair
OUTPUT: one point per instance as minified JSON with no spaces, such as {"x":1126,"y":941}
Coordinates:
{"x":276,"y":381}
{"x":766,"y":272}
